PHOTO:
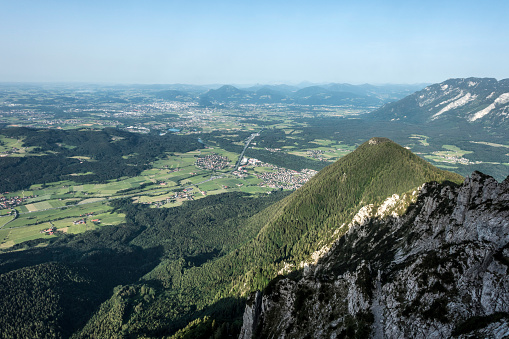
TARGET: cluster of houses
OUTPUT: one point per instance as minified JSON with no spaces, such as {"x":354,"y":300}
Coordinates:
{"x":316,"y":154}
{"x":80,"y":221}
{"x":7,"y":203}
{"x":83,"y":219}
{"x":285,"y":179}
{"x":185,"y":194}
{"x":214,"y":162}
{"x":49,"y":231}
{"x":273,"y":150}
{"x":241,"y":171}
{"x":454,"y":160}
{"x":280,"y":178}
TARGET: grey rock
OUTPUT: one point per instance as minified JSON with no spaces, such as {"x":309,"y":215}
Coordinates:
{"x":425,"y":274}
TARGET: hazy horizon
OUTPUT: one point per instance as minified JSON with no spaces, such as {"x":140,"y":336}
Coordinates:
{"x":227,"y":42}
{"x":300,"y":84}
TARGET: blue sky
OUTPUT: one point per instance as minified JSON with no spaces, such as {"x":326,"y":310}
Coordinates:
{"x":247,"y":42}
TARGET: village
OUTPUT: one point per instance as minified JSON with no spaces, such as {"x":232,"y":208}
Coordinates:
{"x":316,"y":154}
{"x":8,"y":203}
{"x":280,"y":178}
{"x":83,"y":219}
{"x":214,"y":162}
{"x":453,"y":159}
{"x":283,"y":178}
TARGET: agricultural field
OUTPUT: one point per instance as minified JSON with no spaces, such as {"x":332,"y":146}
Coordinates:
{"x":174,"y":178}
{"x":13,"y":147}
{"x":169,"y":182}
{"x":70,"y":219}
{"x":422,"y":139}
{"x":292,"y":137}
{"x":489,"y":144}
{"x":450,"y":155}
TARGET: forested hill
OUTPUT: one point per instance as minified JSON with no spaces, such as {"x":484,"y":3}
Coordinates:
{"x":289,"y":231}
{"x":331,"y":94}
{"x":50,"y":288}
{"x":88,"y":155}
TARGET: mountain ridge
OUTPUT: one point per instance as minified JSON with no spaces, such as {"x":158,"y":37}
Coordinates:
{"x":482,"y":101}
{"x":440,"y":269}
{"x":173,"y":291}
{"x":324,"y":94}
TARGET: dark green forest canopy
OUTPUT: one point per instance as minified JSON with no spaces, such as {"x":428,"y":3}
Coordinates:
{"x":182,"y":264}
{"x":107,"y":154}
{"x":64,"y":283}
{"x":197,"y":261}
{"x":289,"y":231}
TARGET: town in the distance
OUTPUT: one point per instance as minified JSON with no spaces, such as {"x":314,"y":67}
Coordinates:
{"x":254,"y":140}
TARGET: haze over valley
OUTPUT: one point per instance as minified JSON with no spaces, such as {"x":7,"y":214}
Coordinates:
{"x":254,"y":170}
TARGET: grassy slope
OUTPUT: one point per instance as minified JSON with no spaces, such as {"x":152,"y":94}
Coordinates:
{"x":290,"y":231}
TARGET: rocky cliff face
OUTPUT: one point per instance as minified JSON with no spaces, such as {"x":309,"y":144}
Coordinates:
{"x":439,"y":270}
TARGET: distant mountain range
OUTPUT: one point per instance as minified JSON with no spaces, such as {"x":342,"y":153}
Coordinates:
{"x":476,"y":100}
{"x":329,"y":94}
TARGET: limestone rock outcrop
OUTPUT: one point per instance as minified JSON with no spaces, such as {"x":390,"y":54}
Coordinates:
{"x":439,"y":270}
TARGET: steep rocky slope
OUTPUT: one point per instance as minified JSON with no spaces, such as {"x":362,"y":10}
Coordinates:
{"x":475,"y":100}
{"x":439,"y":270}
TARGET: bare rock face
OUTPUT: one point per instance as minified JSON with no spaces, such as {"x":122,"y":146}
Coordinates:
{"x":251,"y":315}
{"x":439,"y":270}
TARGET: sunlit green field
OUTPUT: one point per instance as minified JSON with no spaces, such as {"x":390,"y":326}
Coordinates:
{"x":60,"y":203}
{"x":27,"y":225}
{"x":13,"y":146}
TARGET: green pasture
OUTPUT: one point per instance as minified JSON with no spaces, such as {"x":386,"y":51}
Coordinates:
{"x":455,"y":151}
{"x":7,"y":144}
{"x":48,"y":204}
{"x":209,"y":186}
{"x":421,"y":138}
{"x":33,"y":218}
{"x":18,"y":235}
{"x":250,"y":180}
{"x":323,"y":142}
{"x":75,"y":229}
{"x":218,"y":190}
{"x":179,"y":161}
{"x":4,"y":220}
{"x":89,"y":201}
{"x":198,"y":178}
{"x":3,"y":235}
{"x":489,"y":144}
{"x":153,"y":198}
{"x":28,"y":226}
{"x":255,"y":189}
{"x":5,"y":211}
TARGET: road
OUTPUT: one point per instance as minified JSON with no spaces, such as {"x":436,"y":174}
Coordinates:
{"x":248,"y":141}
{"x":251,"y":137}
{"x":13,"y":218}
